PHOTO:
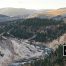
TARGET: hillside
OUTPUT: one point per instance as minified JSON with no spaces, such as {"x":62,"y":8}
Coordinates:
{"x":34,"y":41}
{"x":57,"y":12}
{"x":27,"y":40}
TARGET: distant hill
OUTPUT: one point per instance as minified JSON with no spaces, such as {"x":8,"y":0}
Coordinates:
{"x":50,"y":13}
{"x":21,"y":13}
{"x":3,"y":16}
{"x":16,"y":12}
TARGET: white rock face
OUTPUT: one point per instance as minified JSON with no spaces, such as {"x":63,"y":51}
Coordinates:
{"x":25,"y":50}
{"x":7,"y":53}
{"x":54,"y":44}
{"x":13,"y":49}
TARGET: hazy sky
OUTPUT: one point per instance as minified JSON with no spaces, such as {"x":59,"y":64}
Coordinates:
{"x":33,"y":4}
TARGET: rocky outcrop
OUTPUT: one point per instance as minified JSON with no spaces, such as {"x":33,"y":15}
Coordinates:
{"x":54,"y":44}
{"x":13,"y":49}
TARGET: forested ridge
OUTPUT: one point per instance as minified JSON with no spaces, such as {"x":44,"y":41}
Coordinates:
{"x":45,"y":29}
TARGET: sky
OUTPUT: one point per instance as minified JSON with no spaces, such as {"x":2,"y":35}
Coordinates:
{"x":33,"y":4}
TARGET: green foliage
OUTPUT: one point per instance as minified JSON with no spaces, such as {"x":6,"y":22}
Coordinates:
{"x":59,"y":57}
{"x":45,"y":29}
{"x":21,"y":34}
{"x":40,"y":22}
